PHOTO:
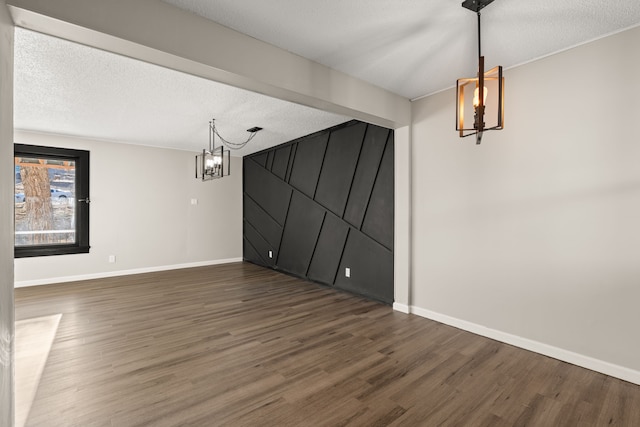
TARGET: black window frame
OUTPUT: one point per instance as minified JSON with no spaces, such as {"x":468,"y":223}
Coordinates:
{"x":81,"y":200}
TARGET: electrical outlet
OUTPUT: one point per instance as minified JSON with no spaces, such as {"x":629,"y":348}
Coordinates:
{"x":194,"y":201}
{"x":270,"y":254}
{"x":112,"y":259}
{"x":347,"y":272}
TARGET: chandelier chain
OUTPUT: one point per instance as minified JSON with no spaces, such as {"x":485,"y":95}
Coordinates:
{"x":233,"y":145}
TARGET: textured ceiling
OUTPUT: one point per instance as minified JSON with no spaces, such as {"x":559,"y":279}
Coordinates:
{"x":70,"y":89}
{"x":417,"y":47}
{"x":410,"y":47}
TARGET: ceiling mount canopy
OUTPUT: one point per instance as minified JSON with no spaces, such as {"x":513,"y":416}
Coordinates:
{"x":215,"y":162}
{"x":476,"y":5}
{"x":486,"y":103}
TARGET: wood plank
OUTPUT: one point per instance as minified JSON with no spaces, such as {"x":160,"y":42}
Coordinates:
{"x":238,"y":344}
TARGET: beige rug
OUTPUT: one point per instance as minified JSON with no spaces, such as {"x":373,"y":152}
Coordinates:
{"x":34,"y":338}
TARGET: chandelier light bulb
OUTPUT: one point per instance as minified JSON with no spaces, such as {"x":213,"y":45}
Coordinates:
{"x":476,"y":97}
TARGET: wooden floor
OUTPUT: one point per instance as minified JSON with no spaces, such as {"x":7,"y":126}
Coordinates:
{"x":239,"y":345}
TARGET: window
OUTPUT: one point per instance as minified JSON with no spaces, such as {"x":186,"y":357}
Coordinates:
{"x":51,"y":201}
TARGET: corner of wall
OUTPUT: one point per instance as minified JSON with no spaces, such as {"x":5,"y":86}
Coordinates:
{"x":6,"y":219}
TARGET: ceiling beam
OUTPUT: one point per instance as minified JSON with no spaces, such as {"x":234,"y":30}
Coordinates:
{"x":162,"y":34}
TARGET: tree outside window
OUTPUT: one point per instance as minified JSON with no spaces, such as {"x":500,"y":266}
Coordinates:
{"x":51,"y":201}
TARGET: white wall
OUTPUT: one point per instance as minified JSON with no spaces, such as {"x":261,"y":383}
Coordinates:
{"x":6,"y":218}
{"x":402,"y":218}
{"x":533,"y":237}
{"x":141,"y":212}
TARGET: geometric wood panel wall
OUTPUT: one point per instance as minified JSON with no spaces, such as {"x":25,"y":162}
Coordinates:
{"x":323,"y":203}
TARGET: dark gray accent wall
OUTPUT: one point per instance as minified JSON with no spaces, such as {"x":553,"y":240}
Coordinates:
{"x":324,"y":203}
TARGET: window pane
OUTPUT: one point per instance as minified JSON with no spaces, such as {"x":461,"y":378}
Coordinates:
{"x":45,"y":208}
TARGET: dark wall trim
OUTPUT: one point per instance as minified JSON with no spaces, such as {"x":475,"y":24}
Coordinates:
{"x":324,"y":203}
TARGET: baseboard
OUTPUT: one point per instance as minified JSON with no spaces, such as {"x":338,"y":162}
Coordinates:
{"x":105,"y":274}
{"x":597,"y":365}
{"x":403,"y":308}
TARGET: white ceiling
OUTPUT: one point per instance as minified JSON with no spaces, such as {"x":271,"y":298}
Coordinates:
{"x":409,"y":47}
{"x":70,"y":89}
{"x":418,"y":47}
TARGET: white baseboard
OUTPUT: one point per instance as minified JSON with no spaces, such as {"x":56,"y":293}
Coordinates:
{"x":104,"y":274}
{"x":597,"y":365}
{"x":403,"y":308}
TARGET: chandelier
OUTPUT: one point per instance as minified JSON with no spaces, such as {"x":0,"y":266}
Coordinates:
{"x":486,"y":104}
{"x":216,"y":162}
